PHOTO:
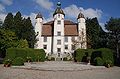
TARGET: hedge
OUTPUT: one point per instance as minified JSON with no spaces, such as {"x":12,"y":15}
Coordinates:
{"x":104,"y":53}
{"x":12,"y":53}
{"x":18,"y":61}
{"x":107,"y":54}
{"x":98,"y":61}
{"x":79,"y":54}
{"x":39,"y":54}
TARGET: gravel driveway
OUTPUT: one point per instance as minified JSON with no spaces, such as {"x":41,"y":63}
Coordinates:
{"x":13,"y":73}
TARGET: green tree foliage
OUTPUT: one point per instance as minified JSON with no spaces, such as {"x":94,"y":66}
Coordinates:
{"x":96,"y":37}
{"x":28,"y":32}
{"x":22,"y":44}
{"x":113,"y":28}
{"x":18,"y":24}
{"x":0,"y":23}
{"x":7,"y":40}
{"x":22,"y":27}
{"x":8,"y":22}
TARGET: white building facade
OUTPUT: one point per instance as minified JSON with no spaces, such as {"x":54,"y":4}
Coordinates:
{"x":60,"y":36}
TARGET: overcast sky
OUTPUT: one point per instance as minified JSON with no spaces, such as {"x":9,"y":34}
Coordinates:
{"x":102,"y":9}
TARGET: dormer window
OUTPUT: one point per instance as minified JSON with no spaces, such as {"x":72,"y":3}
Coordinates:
{"x":58,"y":22}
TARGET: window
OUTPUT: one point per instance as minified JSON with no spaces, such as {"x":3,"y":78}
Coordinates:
{"x":66,"y":46}
{"x":58,"y":15}
{"x":58,"y":54}
{"x":58,"y":22}
{"x":58,"y":42}
{"x":73,"y":47}
{"x":66,"y":39}
{"x":59,"y":33}
{"x":45,"y":39}
{"x":44,"y":46}
{"x":58,"y":49}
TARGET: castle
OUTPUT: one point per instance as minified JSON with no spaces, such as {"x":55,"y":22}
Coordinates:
{"x":60,"y":36}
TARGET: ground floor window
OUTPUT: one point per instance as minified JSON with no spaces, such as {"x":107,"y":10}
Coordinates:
{"x":44,"y":46}
{"x":66,"y":46}
{"x":58,"y":54}
{"x":58,"y":49}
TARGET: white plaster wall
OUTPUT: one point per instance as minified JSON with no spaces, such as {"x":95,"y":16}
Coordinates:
{"x":38,"y":29}
{"x":58,"y":27}
{"x":48,"y":43}
{"x":82,"y":27}
{"x":70,"y":43}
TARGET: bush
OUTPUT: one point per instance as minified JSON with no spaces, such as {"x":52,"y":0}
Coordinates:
{"x":95,"y":54}
{"x":107,"y":54}
{"x":35,"y":54}
{"x":30,"y":53}
{"x":98,"y":61}
{"x":7,"y":63}
{"x":80,"y":54}
{"x":10,"y":54}
{"x":18,"y":61}
{"x":28,"y":59}
{"x":108,"y":63}
{"x":39,"y":54}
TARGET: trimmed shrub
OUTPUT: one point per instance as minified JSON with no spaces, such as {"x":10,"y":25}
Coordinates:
{"x":98,"y":61}
{"x":35,"y":54}
{"x":108,"y":63}
{"x":81,"y":55}
{"x":107,"y":54}
{"x":28,"y":59}
{"x":94,"y":55}
{"x":10,"y":54}
{"x":20,"y":52}
{"x":30,"y":53}
{"x":7,"y":63}
{"x":18,"y":61}
{"x":104,"y":53}
{"x":39,"y":55}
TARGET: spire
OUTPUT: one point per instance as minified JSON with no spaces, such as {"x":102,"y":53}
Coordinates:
{"x":59,"y":4}
{"x":39,"y":15}
{"x":80,"y":15}
{"x":58,"y":9}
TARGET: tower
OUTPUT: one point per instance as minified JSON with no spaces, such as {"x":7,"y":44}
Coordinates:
{"x":58,"y":35}
{"x":82,"y":31}
{"x":38,"y":30}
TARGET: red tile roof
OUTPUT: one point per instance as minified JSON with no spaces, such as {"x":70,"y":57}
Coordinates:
{"x":70,"y":28}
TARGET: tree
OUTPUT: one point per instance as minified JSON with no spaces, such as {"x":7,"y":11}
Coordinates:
{"x":95,"y":35}
{"x":0,"y":23}
{"x":8,"y":22}
{"x":18,"y":25}
{"x":113,"y":28}
{"x":7,"y":40}
{"x":28,"y":32}
{"x":22,"y":44}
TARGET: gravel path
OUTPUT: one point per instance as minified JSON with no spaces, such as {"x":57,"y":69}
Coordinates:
{"x":13,"y":73}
